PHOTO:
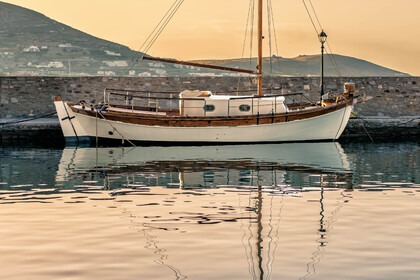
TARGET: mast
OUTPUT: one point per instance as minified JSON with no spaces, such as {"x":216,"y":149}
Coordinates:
{"x":260,"y":38}
{"x":260,"y":45}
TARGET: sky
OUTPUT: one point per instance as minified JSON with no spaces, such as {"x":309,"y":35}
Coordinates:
{"x":385,"y":32}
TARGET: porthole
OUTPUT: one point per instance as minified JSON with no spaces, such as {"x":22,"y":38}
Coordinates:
{"x":244,"y":108}
{"x":209,"y":108}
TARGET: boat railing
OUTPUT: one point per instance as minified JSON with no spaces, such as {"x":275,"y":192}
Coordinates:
{"x":171,"y":102}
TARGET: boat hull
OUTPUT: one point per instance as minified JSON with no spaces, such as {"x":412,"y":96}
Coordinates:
{"x":82,"y":128}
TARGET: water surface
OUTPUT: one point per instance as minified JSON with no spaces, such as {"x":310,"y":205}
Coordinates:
{"x":287,"y":211}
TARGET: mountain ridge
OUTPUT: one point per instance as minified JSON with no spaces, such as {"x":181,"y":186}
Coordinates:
{"x":34,"y":44}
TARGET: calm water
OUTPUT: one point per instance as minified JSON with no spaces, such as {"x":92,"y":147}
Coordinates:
{"x":290,"y":211}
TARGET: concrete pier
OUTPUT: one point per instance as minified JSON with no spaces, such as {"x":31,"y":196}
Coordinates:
{"x":388,"y":107}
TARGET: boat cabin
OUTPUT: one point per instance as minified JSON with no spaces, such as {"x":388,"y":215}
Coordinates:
{"x":203,"y":103}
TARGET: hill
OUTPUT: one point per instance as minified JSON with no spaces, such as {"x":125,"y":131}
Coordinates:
{"x":309,"y":65}
{"x":33,"y":44}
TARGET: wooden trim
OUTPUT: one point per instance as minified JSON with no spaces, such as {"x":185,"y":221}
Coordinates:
{"x":182,"y":121}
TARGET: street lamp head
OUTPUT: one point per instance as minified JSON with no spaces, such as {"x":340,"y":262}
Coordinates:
{"x":322,"y":37}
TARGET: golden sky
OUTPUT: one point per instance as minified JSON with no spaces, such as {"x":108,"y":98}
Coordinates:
{"x":385,"y":32}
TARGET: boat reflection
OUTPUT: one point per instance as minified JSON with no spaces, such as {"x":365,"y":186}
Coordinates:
{"x":197,"y":167}
{"x":260,"y":175}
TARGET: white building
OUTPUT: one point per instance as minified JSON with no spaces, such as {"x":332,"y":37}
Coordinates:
{"x":117,"y":63}
{"x":67,"y":45}
{"x":112,"y":53}
{"x":156,"y":64}
{"x":31,"y":49}
{"x":145,"y":74}
{"x":56,"y":64}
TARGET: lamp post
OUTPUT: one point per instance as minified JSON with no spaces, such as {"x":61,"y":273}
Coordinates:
{"x":322,"y":38}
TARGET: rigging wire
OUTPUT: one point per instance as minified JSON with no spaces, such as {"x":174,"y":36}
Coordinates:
{"x":316,"y":16}
{"x":274,"y":28}
{"x":269,"y":23}
{"x":150,"y":35}
{"x":250,"y":25}
{"x":162,"y":27}
{"x":331,"y":56}
{"x":273,"y":33}
{"x":310,"y":17}
{"x":151,"y":39}
{"x":334,"y":61}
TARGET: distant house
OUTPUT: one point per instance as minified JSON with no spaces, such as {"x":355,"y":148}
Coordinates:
{"x":116,"y":63}
{"x":56,"y":64}
{"x":52,"y":64}
{"x":106,"y":73}
{"x":145,"y":74}
{"x":66,"y":45}
{"x":112,"y":53}
{"x":160,"y":72}
{"x":31,"y":49}
{"x":156,"y":64}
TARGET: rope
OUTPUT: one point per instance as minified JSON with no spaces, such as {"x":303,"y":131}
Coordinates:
{"x":114,"y":128}
{"x":269,"y":25}
{"x":164,"y":25}
{"x":274,"y":32}
{"x":364,"y":127}
{"x":310,"y":17}
{"x":380,"y":125}
{"x":364,"y":121}
{"x":29,"y":119}
{"x":331,"y":56}
{"x":248,"y":20}
{"x":319,"y":23}
{"x":151,"y":39}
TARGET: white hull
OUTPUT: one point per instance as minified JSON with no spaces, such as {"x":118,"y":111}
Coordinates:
{"x":79,"y":127}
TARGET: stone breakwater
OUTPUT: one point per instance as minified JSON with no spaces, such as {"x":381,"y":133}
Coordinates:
{"x":388,"y":106}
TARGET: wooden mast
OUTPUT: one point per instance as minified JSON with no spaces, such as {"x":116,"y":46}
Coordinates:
{"x":260,"y":45}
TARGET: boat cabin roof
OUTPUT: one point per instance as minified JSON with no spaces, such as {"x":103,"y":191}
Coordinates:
{"x":191,"y":94}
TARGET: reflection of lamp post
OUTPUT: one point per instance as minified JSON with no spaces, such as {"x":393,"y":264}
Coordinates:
{"x":322,"y":38}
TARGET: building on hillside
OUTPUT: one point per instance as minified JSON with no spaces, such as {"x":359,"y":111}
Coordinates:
{"x":31,"y":49}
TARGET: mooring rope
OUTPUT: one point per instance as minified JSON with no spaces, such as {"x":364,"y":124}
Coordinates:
{"x":28,"y":119}
{"x":115,"y":129}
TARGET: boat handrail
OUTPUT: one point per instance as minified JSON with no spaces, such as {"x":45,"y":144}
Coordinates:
{"x":227,"y":92}
{"x":201,"y":98}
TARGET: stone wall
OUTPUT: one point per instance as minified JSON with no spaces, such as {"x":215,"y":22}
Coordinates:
{"x":23,"y":97}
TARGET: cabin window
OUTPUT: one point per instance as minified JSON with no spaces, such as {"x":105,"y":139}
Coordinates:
{"x":244,"y":108}
{"x":209,"y":108}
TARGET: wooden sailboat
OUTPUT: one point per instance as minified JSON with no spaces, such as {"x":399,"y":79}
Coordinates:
{"x":201,"y":117}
